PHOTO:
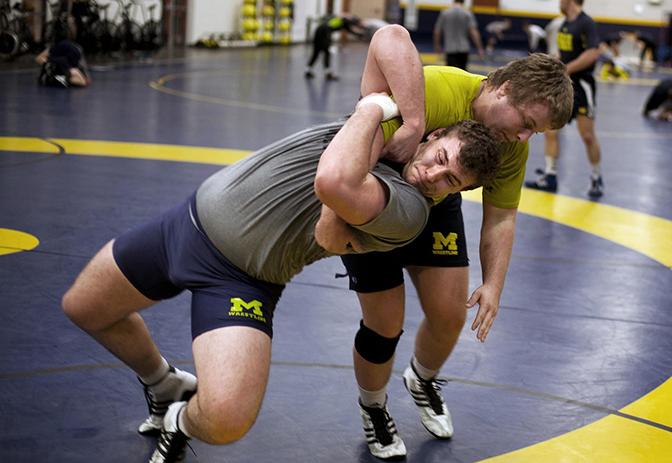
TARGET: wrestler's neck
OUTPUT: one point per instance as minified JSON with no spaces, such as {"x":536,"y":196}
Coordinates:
{"x":482,"y":102}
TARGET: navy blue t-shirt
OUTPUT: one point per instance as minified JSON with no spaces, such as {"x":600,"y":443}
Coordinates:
{"x":576,"y":37}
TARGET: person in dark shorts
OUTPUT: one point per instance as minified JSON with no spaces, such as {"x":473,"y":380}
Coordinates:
{"x":579,"y":43}
{"x":63,"y":65}
{"x":528,"y":95}
{"x":235,"y":245}
{"x":322,"y":41}
{"x":457,"y":26}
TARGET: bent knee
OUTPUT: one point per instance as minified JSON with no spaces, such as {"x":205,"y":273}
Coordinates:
{"x":70,"y":306}
{"x":77,"y":311}
{"x":225,"y":424}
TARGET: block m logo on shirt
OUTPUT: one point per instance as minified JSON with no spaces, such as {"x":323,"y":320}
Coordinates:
{"x":565,"y":42}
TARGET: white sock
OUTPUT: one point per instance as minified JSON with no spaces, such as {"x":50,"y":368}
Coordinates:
{"x":157,"y":375}
{"x":551,"y":165}
{"x":595,"y":170}
{"x":373,"y":399}
{"x":423,"y":373}
{"x":180,"y":421}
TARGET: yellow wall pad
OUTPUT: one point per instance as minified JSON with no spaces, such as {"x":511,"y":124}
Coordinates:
{"x":12,"y":241}
{"x":538,"y":14}
{"x":127,"y":150}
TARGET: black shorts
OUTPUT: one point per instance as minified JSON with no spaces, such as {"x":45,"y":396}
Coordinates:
{"x":168,"y":254}
{"x":458,"y":60}
{"x":584,"y":96}
{"x":442,"y":243}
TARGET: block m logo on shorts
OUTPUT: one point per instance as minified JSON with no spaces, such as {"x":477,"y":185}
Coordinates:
{"x":445,"y":245}
{"x":240,"y":308}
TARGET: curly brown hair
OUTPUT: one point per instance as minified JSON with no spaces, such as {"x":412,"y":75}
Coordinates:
{"x":481,"y":151}
{"x":537,"y":78}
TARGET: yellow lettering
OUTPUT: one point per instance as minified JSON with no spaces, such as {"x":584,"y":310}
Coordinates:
{"x":239,"y":305}
{"x":565,"y":42}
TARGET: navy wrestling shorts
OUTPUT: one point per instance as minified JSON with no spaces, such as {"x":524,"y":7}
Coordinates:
{"x":584,"y":96}
{"x":170,"y":253}
{"x":442,"y":243}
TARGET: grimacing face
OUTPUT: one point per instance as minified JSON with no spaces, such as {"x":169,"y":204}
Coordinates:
{"x":515,"y":124}
{"x":434,"y":169}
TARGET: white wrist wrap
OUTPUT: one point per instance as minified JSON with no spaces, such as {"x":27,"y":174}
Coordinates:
{"x":390,"y":108}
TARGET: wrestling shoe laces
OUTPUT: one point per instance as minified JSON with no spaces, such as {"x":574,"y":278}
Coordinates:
{"x":172,"y":443}
{"x":433,"y":410}
{"x":381,"y":434}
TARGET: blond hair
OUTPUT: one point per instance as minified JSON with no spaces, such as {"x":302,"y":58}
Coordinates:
{"x":537,"y":79}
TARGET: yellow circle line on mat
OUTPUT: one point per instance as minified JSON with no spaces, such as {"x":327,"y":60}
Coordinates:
{"x":159,"y":85}
{"x":12,"y":241}
{"x":612,"y":438}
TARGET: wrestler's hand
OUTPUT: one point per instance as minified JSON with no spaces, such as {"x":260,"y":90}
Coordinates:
{"x":488,"y":304}
{"x":382,"y":100}
{"x":335,"y":235}
{"x":403,"y":144}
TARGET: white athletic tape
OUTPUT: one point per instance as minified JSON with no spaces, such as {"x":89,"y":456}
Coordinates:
{"x":390,"y":108}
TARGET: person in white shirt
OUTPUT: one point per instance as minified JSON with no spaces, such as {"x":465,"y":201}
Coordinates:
{"x":536,"y":37}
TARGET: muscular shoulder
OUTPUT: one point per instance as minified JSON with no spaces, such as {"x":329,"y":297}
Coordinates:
{"x":403,"y":218}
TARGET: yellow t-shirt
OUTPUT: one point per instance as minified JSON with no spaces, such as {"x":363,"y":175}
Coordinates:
{"x":449,"y":94}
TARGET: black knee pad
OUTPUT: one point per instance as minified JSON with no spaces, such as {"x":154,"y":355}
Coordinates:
{"x":373,"y":347}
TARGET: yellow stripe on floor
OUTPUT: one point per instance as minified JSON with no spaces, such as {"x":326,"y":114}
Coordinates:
{"x":641,"y":232}
{"x":12,"y":241}
{"x":157,"y":152}
{"x":612,"y":439}
{"x":33,"y":145}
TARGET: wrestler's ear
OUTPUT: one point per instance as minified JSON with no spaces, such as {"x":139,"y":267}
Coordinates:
{"x":436,"y":134}
{"x":501,"y":90}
